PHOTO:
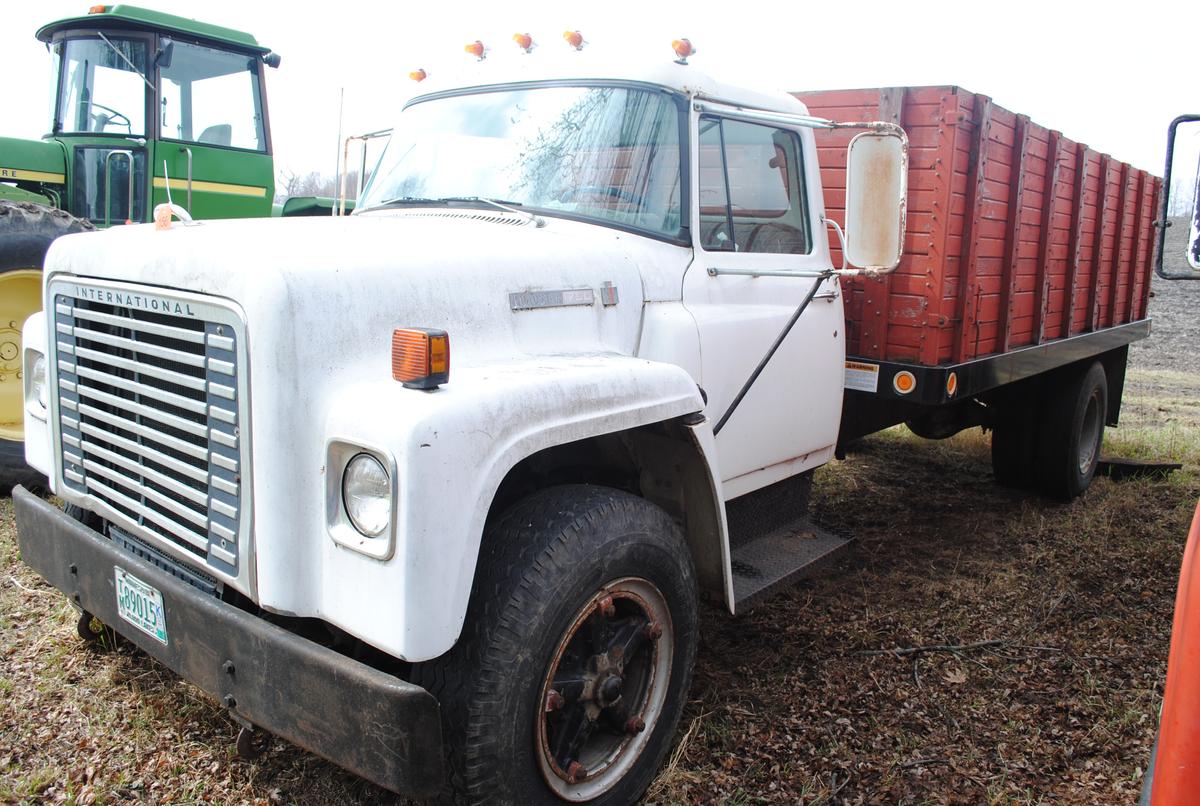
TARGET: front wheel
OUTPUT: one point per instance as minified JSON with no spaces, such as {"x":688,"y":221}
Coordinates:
{"x":570,"y":676}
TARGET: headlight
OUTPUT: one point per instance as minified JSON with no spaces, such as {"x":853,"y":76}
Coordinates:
{"x":38,"y":388}
{"x":367,"y":495}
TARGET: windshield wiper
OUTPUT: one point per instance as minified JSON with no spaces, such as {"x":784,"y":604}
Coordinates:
{"x":409,"y":200}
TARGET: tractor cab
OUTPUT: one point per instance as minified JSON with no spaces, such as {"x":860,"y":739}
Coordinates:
{"x":148,"y":104}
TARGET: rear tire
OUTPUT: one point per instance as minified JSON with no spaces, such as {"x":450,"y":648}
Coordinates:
{"x":1014,"y":440}
{"x":1072,"y":432}
{"x":560,"y":571}
{"x":26,"y":232}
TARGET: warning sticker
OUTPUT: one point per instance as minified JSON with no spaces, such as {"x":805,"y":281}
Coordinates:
{"x":862,"y":377}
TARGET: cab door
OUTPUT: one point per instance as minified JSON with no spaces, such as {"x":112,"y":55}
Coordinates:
{"x":212,"y":132}
{"x":757,"y":252}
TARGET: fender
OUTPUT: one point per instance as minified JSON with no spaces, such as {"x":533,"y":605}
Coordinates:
{"x":452,"y":448}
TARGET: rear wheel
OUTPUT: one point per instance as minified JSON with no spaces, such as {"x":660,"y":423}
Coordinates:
{"x":570,"y":675}
{"x":1072,"y":432}
{"x":1014,"y":439}
{"x":26,"y":232}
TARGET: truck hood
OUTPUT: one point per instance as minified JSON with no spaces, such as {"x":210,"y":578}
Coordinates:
{"x":350,"y":281}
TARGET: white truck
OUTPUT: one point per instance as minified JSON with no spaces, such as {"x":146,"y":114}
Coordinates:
{"x":433,"y":490}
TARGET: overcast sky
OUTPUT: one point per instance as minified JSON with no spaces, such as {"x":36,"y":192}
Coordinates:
{"x":1094,"y":70}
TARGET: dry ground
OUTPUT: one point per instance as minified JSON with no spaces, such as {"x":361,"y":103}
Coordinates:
{"x":792,"y":702}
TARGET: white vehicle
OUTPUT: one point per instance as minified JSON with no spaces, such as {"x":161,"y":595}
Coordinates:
{"x":433,"y":490}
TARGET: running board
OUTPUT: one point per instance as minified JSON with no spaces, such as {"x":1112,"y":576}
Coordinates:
{"x":765,"y":564}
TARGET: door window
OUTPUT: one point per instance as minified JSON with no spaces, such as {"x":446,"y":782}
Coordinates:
{"x":211,"y":97}
{"x":104,"y":88}
{"x":751,"y":189}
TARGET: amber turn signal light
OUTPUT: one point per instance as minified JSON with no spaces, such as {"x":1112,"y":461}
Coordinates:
{"x":420,"y":357}
{"x":574,"y":39}
{"x":524,"y":41}
{"x":683,"y":48}
{"x":475,"y":48}
{"x":418,"y":75}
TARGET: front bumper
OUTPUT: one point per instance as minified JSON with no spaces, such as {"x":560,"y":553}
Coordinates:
{"x":374,"y":724}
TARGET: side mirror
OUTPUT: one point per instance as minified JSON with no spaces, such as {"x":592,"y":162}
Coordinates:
{"x":876,"y":199}
{"x":163,"y":58}
{"x":271,"y":59}
{"x":1178,"y":254}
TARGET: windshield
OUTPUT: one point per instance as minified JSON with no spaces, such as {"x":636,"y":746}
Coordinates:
{"x":611,"y":154}
{"x":103,"y":89}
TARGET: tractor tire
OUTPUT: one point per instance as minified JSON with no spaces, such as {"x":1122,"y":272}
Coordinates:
{"x":571,"y":672}
{"x":1072,"y":431}
{"x":26,"y":232}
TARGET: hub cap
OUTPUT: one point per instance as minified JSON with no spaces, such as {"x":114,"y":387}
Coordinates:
{"x":20,"y":297}
{"x":604,"y":689}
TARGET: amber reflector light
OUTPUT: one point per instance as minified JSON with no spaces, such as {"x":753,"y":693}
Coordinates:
{"x":420,"y":357}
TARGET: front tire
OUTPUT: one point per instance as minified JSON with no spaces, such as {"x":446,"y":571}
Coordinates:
{"x":571,"y":673}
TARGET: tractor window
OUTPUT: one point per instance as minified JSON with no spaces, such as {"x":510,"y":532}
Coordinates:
{"x":103,"y":87}
{"x":211,"y":97}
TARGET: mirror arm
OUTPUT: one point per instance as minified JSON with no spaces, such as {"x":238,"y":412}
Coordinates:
{"x":829,"y":222}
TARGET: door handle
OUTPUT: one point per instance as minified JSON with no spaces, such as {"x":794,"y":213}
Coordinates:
{"x":188,"y":151}
{"x":828,"y":296}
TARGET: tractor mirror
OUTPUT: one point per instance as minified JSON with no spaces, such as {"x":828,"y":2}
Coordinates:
{"x":1178,"y":255}
{"x":876,"y":194}
{"x":271,"y":59}
{"x":162,"y":59}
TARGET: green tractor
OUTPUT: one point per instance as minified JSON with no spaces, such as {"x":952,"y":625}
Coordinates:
{"x":145,"y":104}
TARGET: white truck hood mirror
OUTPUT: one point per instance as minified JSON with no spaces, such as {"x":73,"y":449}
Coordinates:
{"x":876,"y":198}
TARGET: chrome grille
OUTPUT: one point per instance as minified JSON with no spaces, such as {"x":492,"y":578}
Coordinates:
{"x":149,"y":414}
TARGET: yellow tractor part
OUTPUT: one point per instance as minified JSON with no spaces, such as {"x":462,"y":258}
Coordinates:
{"x":20,"y":297}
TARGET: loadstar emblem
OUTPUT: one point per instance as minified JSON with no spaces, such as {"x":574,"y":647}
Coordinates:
{"x":526,"y":300}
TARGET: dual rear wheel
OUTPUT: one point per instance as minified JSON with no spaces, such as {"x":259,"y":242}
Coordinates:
{"x":1047,"y":435}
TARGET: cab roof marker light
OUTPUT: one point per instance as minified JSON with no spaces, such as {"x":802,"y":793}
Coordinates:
{"x":476,"y":49}
{"x":574,"y":39}
{"x":419,"y":74}
{"x":524,"y":42}
{"x":683,"y":48}
{"x":97,"y":9}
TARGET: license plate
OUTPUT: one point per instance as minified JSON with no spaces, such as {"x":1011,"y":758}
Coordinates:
{"x":141,"y":605}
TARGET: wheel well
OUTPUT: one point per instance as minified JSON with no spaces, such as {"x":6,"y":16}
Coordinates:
{"x":660,"y":462}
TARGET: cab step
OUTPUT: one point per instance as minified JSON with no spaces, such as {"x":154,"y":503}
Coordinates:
{"x":772,"y":542}
{"x":773,"y":561}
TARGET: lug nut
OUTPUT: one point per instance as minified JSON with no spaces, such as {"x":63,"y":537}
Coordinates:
{"x":653,"y":631}
{"x":576,"y":773}
{"x":607,"y":607}
{"x":635,"y":725}
{"x":554,"y":701}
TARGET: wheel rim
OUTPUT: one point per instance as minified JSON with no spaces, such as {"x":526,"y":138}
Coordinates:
{"x":1089,"y":435}
{"x":20,"y":297}
{"x":604,"y":689}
